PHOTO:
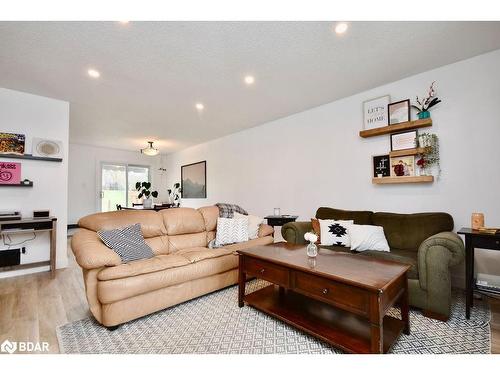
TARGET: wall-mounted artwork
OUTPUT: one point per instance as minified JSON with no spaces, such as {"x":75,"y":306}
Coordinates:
{"x":399,"y":112}
{"x":11,"y":143}
{"x":47,"y":148}
{"x":375,"y":112}
{"x":10,"y":173}
{"x":194,"y":180}
{"x":403,"y":166}
{"x":381,"y":166}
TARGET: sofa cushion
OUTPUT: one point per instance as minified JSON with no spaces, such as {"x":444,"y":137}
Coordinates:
{"x":359,"y":217}
{"x":184,"y":241}
{"x":408,"y":231}
{"x":182,"y":220}
{"x":210,"y":215}
{"x":143,"y":266}
{"x":151,"y":222}
{"x":402,"y":256}
{"x":109,"y":291}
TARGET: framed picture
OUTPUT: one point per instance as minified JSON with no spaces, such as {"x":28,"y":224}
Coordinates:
{"x":11,"y":143}
{"x":399,"y":112}
{"x":375,"y":112}
{"x":10,"y":173}
{"x":403,"y":166}
{"x":381,"y":166}
{"x":404,"y":140}
{"x":194,"y":180}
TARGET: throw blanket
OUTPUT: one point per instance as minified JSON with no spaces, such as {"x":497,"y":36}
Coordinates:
{"x":228,"y":210}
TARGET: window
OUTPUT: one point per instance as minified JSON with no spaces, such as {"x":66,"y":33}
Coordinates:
{"x":118,"y":184}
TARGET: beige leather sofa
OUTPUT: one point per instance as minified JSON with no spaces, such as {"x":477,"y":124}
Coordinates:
{"x":182,"y":268}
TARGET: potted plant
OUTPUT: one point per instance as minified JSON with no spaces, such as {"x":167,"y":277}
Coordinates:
{"x":174,"y":195}
{"x":144,"y":191}
{"x":430,"y":157}
{"x":423,"y":105}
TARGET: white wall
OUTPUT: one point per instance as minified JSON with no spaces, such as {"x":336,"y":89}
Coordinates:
{"x":36,"y":116}
{"x":84,"y":168}
{"x":316,"y":157}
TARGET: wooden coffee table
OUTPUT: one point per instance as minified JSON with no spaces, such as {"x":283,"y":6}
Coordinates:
{"x":337,"y":297}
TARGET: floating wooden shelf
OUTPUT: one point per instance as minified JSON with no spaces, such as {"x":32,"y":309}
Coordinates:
{"x":29,"y":157}
{"x":411,"y":151}
{"x":403,"y":180}
{"x":396,"y":128}
{"x":17,"y":185}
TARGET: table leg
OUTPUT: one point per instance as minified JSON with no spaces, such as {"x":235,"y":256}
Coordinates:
{"x":241,"y":281}
{"x":405,"y":308}
{"x":377,"y":338}
{"x":469,"y":276}
{"x":53,"y":247}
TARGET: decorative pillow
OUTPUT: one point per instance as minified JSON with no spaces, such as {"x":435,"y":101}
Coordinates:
{"x":368,"y":237}
{"x":316,"y":229}
{"x":127,"y":242}
{"x":254,"y":223}
{"x":231,"y":230}
{"x":335,"y":232}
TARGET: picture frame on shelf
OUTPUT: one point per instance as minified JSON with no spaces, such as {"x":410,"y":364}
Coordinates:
{"x":403,"y":166}
{"x":406,"y":140}
{"x":381,"y":166}
{"x":10,"y":173}
{"x":375,"y":112}
{"x":12,"y":143}
{"x":399,"y":112}
{"x":194,"y":180}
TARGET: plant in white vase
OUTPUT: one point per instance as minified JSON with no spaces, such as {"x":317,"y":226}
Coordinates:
{"x":144,"y":191}
{"x":312,"y":249}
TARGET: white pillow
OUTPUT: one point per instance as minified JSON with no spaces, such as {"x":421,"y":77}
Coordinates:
{"x":231,"y":230}
{"x":367,"y":237}
{"x":254,"y":223}
{"x":335,"y":232}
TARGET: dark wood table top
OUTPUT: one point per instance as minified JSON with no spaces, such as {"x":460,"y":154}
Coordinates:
{"x":354,"y":269}
{"x":473,"y":232}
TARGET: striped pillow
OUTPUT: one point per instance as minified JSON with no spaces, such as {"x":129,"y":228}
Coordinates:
{"x":127,"y":242}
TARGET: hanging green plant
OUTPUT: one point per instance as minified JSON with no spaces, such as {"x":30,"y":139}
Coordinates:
{"x":430,"y":158}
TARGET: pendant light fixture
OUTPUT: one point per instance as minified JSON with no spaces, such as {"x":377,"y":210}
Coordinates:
{"x":150,"y":150}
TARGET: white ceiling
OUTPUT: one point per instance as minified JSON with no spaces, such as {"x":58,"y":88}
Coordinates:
{"x":152,"y":73}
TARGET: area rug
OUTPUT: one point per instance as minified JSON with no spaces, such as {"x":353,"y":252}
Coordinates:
{"x":213,"y":324}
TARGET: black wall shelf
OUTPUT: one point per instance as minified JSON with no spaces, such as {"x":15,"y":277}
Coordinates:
{"x":17,"y":185}
{"x":30,"y":157}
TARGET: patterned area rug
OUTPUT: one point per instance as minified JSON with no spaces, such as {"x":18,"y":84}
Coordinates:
{"x":213,"y":324}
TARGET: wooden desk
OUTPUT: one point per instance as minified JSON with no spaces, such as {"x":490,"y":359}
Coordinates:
{"x":473,"y":239}
{"x":33,"y":225}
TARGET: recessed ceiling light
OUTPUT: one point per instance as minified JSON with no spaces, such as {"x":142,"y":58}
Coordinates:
{"x":249,"y":80}
{"x":341,"y":27}
{"x":124,"y":22}
{"x":199,"y":106}
{"x":93,"y":73}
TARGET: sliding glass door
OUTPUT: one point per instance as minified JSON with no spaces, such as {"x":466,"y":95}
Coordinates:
{"x":118,"y":184}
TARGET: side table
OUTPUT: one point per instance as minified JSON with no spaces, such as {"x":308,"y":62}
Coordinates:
{"x":279,"y":221}
{"x":473,"y":239}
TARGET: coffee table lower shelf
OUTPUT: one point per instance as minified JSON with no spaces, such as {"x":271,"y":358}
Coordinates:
{"x":337,"y":327}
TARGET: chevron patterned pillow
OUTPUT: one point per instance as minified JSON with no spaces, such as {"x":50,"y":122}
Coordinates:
{"x":231,"y":230}
{"x":127,"y":242}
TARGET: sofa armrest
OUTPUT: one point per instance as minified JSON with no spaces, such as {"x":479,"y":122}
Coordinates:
{"x":436,"y":255}
{"x":294,"y":232}
{"x":90,"y":252}
{"x":265,"y":230}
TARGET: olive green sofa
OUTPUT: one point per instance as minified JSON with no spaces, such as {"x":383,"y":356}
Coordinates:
{"x":423,"y":240}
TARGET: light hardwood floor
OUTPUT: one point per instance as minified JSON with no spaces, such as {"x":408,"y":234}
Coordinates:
{"x":32,"y":306}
